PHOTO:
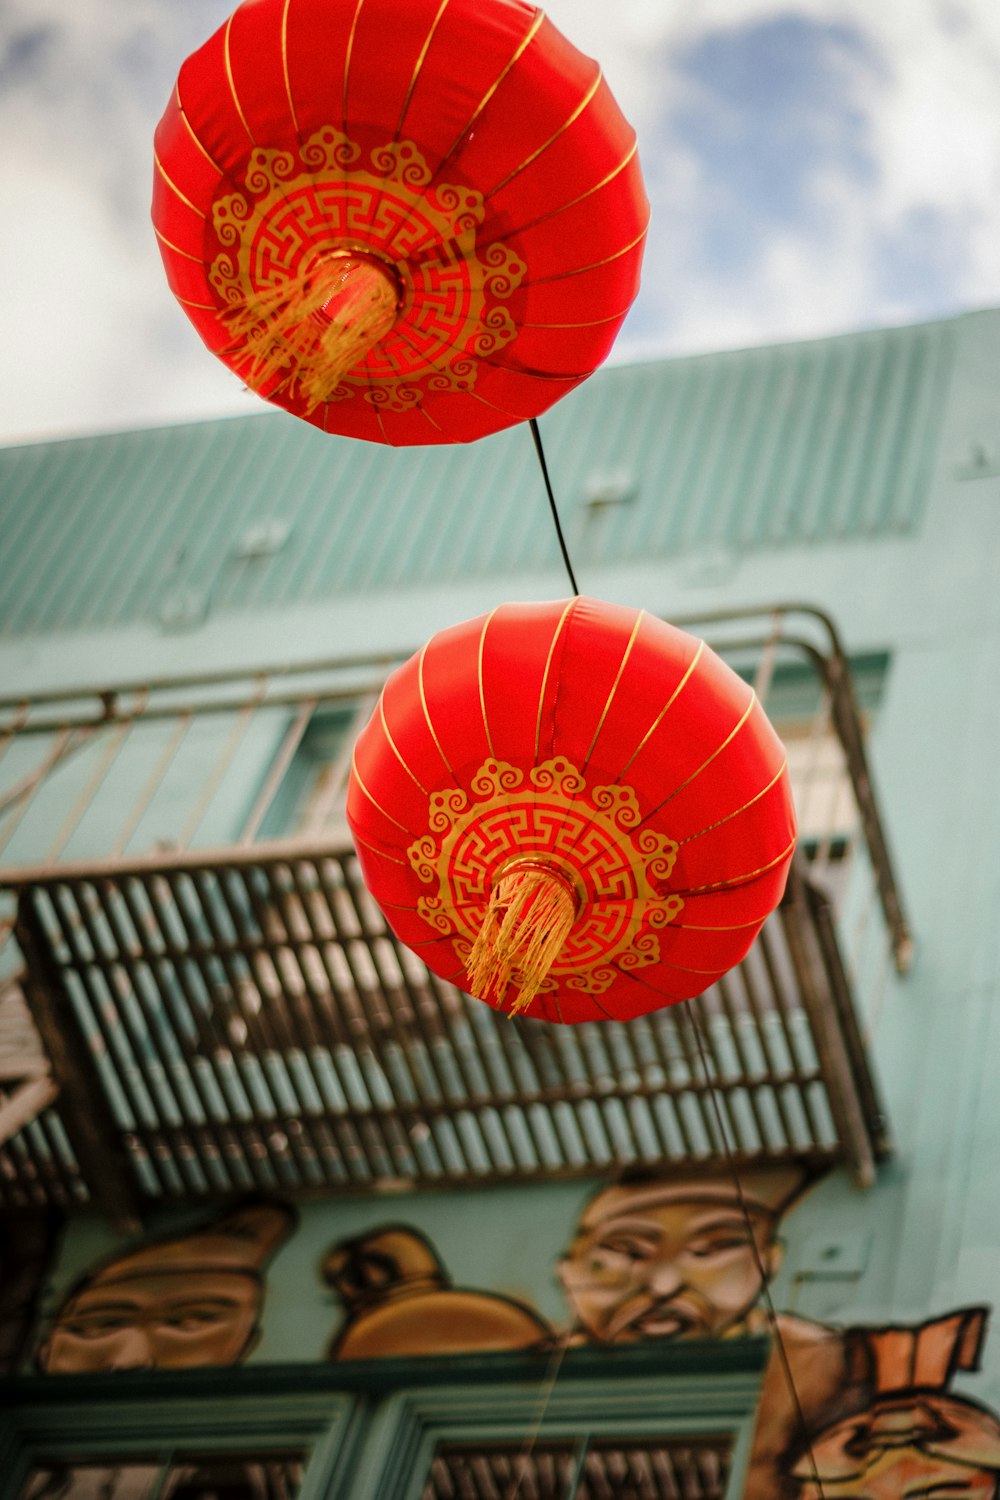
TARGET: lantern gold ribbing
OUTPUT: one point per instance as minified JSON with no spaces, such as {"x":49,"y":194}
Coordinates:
{"x":572,"y":810}
{"x":401,"y":220}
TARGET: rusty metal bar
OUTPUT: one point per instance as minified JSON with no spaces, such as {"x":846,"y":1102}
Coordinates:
{"x":841,"y":1091}
{"x":93,"y":1134}
{"x":322,"y":813}
{"x":839,"y":990}
{"x":772,"y":951}
{"x":265,"y":1029}
{"x":273,"y":938}
{"x":95,"y":972}
{"x":179,"y":963}
{"x":236,"y":736}
{"x":723,"y":990}
{"x":352,"y":677}
{"x":384,"y":1154}
{"x":844,"y":712}
{"x":207,"y":1159}
{"x":380,"y":1013}
{"x":112,"y":748}
{"x":30,"y":1170}
{"x":762,"y":1030}
{"x":216,"y":945}
{"x":152,"y":784}
{"x":279,"y":766}
{"x":405,"y":1053}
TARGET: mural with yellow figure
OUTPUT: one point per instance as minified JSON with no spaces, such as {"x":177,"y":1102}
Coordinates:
{"x":399,"y":1300}
{"x":675,"y":1257}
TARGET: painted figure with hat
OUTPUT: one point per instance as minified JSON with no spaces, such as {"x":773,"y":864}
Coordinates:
{"x":914,"y":1438}
{"x":688,"y":1256}
{"x":672,"y":1257}
{"x":192,"y":1298}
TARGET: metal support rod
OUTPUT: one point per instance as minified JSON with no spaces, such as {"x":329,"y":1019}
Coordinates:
{"x":86,"y":1116}
{"x":833,"y":1055}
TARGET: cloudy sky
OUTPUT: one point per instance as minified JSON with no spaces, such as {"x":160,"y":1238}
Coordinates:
{"x":813,"y":166}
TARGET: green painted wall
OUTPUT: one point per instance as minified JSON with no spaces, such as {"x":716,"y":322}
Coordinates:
{"x":926,"y":1239}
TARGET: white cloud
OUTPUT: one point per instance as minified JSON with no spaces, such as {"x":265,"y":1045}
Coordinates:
{"x":931,"y":120}
{"x":99,"y":341}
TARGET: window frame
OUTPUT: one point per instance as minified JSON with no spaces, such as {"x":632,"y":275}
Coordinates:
{"x":372,"y":1426}
{"x":128,"y":1415}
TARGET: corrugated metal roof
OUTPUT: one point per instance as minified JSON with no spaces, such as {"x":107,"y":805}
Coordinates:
{"x":803,"y":443}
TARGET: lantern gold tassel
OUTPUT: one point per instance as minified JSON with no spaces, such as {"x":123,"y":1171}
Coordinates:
{"x":306,"y":332}
{"x":531,"y":910}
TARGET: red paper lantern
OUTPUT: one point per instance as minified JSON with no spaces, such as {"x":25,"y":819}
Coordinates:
{"x":572,"y":809}
{"x":412,"y":221}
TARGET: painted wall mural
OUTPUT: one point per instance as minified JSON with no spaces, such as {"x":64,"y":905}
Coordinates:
{"x":912,"y":1438}
{"x":398,"y":1300}
{"x":649,"y":1258}
{"x":656,"y":1257}
{"x":192,"y":1298}
{"x":671,"y":1258}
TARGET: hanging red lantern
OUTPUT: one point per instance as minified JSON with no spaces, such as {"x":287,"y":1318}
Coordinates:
{"x":412,"y":221}
{"x":572,"y":809}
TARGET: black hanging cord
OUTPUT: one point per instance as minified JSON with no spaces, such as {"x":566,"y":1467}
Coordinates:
{"x":772,"y":1316}
{"x":533,"y":424}
{"x":771,"y":1313}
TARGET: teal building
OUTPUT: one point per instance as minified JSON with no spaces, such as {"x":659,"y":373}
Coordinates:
{"x":282,"y":1214}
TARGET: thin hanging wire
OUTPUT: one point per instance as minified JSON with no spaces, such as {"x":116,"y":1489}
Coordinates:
{"x":545,"y":1396}
{"x":770,"y":1310}
{"x":533,"y":424}
{"x":769,"y":1307}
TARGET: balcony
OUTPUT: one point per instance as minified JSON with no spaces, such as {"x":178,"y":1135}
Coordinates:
{"x":224,"y":1010}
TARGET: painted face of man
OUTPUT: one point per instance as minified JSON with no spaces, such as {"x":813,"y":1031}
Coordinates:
{"x":684,"y":1269}
{"x":165,"y":1320}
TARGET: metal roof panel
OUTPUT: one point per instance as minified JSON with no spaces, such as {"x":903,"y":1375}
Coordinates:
{"x":794,"y":444}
